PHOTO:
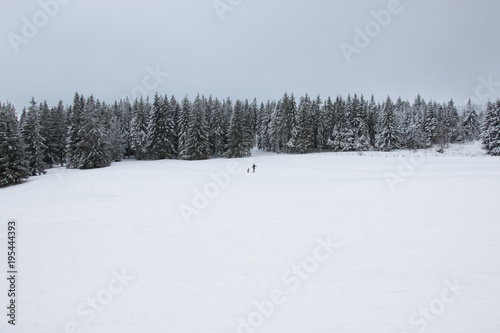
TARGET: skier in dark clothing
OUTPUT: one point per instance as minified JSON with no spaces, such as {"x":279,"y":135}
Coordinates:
{"x":253,"y":167}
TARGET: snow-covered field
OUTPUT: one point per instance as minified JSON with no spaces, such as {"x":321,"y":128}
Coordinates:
{"x":311,"y":243}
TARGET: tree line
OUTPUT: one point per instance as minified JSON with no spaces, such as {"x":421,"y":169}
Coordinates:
{"x":92,"y":134}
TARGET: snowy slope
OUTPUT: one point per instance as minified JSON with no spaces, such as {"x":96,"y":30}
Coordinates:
{"x":260,"y":237}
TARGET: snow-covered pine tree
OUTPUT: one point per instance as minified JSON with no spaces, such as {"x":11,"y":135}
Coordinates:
{"x":418,"y":133}
{"x":441,"y":129}
{"x":470,"y":123}
{"x":172,"y":112}
{"x":22,"y":119}
{"x":218,"y":129}
{"x":33,"y":140}
{"x":288,"y":110}
{"x":160,"y":130}
{"x":227,"y":111}
{"x":284,"y":122}
{"x":276,"y":127}
{"x":430,"y":123}
{"x":303,"y":140}
{"x":343,"y":138}
{"x":249,"y":125}
{"x":290,"y":146}
{"x":236,"y":146}
{"x":406,"y":128}
{"x":411,"y":125}
{"x":491,"y":129}
{"x":452,"y":123}
{"x":46,"y":120}
{"x":94,"y":146}
{"x":329,"y":120}
{"x":265,"y":140}
{"x":209,"y":120}
{"x":175,"y":109}
{"x":139,"y":130}
{"x":404,"y":118}
{"x":115,"y":138}
{"x":75,"y":120}
{"x":318,"y":121}
{"x":54,"y":130}
{"x":389,"y":137}
{"x":58,"y":133}
{"x":263,"y":119}
{"x":197,"y":145}
{"x":362,"y":136}
{"x":254,"y":111}
{"x":353,"y":111}
{"x":373,"y":113}
{"x":124,"y":110}
{"x":184,"y":120}
{"x":13,"y":165}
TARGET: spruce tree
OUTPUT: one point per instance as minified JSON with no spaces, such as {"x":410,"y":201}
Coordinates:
{"x":389,"y":134}
{"x":276,"y":127}
{"x":248,"y":126}
{"x":406,"y":119}
{"x":342,"y":136}
{"x":184,"y":120}
{"x":115,"y":138}
{"x":470,"y":123}
{"x":304,"y":133}
{"x":197,"y":145}
{"x":286,"y":114}
{"x":491,"y":129}
{"x":75,"y":120}
{"x":419,"y":134}
{"x":262,"y":126}
{"x":160,"y":130}
{"x":265,"y":141}
{"x":139,"y":128}
{"x":362,"y":136}
{"x":94,"y":146}
{"x":175,"y":111}
{"x":13,"y":165}
{"x":318,"y":122}
{"x":373,"y":112}
{"x":442,"y":128}
{"x":33,"y":140}
{"x":46,"y":130}
{"x":218,"y":128}
{"x":353,"y":112}
{"x":430,"y":123}
{"x":124,"y":108}
{"x":22,"y":119}
{"x":58,"y":133}
{"x":236,"y":146}
{"x":329,"y":119}
{"x":453,"y":123}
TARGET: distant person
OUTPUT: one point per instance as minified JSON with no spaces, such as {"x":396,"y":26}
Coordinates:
{"x":253,"y":167}
{"x":248,"y":170}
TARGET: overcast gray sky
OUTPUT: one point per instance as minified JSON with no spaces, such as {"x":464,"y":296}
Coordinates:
{"x":249,"y":48}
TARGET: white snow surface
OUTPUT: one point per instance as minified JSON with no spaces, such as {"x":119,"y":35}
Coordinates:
{"x":398,"y":250}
